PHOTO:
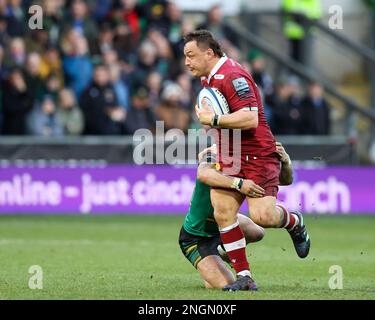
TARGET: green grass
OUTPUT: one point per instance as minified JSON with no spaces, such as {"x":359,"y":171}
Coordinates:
{"x":127,"y":257}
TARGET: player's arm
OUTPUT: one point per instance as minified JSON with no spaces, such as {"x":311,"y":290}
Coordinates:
{"x":207,"y":174}
{"x":240,"y":93}
{"x":286,"y":173}
{"x":243,"y":119}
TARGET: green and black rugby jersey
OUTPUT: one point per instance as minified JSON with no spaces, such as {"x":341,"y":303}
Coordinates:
{"x":200,"y":220}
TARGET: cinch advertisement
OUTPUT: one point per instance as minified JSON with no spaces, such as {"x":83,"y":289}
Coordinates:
{"x":126,"y":189}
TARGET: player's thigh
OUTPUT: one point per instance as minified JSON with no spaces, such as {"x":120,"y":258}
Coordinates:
{"x":214,"y":272}
{"x":250,"y":229}
{"x":263,"y":210}
{"x":226,"y":204}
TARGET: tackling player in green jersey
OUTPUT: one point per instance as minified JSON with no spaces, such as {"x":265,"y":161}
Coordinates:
{"x":199,"y":238}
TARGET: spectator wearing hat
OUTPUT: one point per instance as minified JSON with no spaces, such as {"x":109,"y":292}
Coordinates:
{"x":171,"y":110}
{"x":259,"y":73}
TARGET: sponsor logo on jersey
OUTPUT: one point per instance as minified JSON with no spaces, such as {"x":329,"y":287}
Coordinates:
{"x":219,"y":76}
{"x":241,"y":86}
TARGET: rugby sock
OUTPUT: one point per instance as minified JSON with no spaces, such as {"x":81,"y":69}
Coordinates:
{"x":290,"y":219}
{"x":235,"y":245}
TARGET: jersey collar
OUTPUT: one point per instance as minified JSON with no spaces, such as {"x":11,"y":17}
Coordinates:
{"x":217,"y":67}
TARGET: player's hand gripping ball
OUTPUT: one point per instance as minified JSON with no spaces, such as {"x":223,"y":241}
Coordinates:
{"x":210,"y":101}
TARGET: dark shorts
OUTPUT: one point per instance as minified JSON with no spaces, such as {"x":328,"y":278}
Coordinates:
{"x":196,"y":248}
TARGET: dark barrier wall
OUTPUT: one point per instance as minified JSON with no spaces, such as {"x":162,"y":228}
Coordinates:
{"x":109,"y":150}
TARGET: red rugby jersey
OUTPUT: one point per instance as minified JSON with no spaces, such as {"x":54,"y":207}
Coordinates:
{"x":240,"y":91}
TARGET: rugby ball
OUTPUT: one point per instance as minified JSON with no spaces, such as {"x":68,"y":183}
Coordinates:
{"x":215,"y":100}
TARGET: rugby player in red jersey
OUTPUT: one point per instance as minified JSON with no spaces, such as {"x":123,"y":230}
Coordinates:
{"x":258,"y":157}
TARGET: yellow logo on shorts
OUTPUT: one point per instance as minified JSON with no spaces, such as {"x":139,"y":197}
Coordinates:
{"x":217,"y":166}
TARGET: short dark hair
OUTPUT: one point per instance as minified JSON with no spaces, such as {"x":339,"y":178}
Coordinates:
{"x":204,"y":38}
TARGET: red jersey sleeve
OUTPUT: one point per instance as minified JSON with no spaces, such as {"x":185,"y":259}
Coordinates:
{"x":240,"y":92}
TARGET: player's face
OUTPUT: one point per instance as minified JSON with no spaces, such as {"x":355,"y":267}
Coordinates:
{"x":196,"y":59}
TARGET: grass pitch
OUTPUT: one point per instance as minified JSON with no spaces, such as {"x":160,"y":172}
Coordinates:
{"x":128,"y":257}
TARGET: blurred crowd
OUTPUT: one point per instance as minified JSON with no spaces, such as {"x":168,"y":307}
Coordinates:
{"x":110,"y":67}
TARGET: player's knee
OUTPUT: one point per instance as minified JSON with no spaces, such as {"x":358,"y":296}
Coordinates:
{"x":266,"y":217}
{"x":254,"y":235}
{"x":259,"y":234}
{"x":223,"y":215}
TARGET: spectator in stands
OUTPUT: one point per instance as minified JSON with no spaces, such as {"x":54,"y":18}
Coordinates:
{"x":184,"y":80}
{"x":37,"y":40}
{"x":69,"y":114}
{"x":51,"y":64}
{"x":147,"y":62}
{"x":120,"y":86}
{"x":16,"y":54}
{"x":161,"y":43}
{"x":154,"y":84}
{"x":32,"y":75}
{"x":105,"y":40}
{"x":2,"y":67}
{"x":125,"y":21}
{"x":52,"y":19}
{"x":80,"y":21}
{"x":16,"y":103}
{"x":171,"y":110}
{"x":43,"y":120}
{"x":4,"y":36}
{"x":152,"y":14}
{"x":141,"y":115}
{"x":286,"y":108}
{"x":109,"y":57}
{"x":174,"y":23}
{"x":103,"y":115}
{"x":294,"y":30}
{"x":259,"y":73}
{"x":170,"y":25}
{"x":16,"y":26}
{"x":3,"y":7}
{"x":316,"y":111}
{"x":215,"y":24}
{"x":50,"y":87}
{"x":263,"y":80}
{"x":100,"y":9}
{"x":76,"y":61}
{"x":164,"y":53}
